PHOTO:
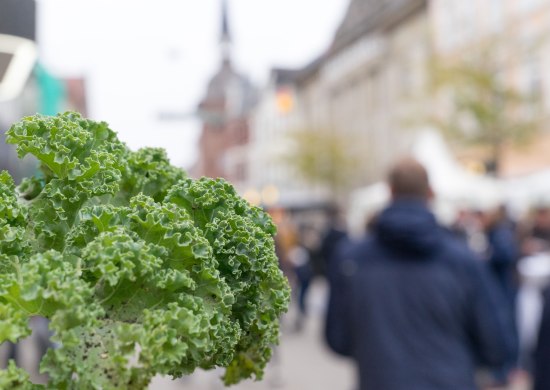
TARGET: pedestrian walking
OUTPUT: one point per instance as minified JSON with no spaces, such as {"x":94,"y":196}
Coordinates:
{"x":502,"y":256}
{"x":419,"y":310}
{"x":333,"y":235}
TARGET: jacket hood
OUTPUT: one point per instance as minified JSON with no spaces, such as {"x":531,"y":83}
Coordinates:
{"x":408,"y":226}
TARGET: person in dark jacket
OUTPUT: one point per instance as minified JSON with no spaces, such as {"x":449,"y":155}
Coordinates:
{"x":502,"y":255}
{"x":503,"y":251}
{"x":420,"y":311}
{"x":542,"y":352}
{"x":332,"y":237}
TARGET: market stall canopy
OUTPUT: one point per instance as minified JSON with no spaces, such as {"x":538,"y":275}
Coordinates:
{"x":529,"y":190}
{"x":450,"y":181}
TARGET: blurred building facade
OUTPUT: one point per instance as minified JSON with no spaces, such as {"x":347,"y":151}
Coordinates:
{"x":279,"y":111}
{"x":373,"y":83}
{"x":362,"y":88}
{"x":225,"y":111}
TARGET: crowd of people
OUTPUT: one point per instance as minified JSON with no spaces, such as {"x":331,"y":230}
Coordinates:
{"x":418,"y":305}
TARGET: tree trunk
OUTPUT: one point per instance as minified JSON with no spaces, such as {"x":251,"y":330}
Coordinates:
{"x":493,"y":165}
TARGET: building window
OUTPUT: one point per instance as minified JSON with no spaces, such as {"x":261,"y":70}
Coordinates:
{"x":531,"y":86}
{"x":496,"y":15}
{"x":528,"y":5}
{"x":464,"y":23}
{"x":242,"y":134}
{"x":531,"y":78}
{"x":372,"y":96}
{"x":456,"y":22}
{"x":240,"y":172}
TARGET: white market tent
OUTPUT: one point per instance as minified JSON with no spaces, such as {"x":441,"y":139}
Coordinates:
{"x":528,"y":190}
{"x":450,"y":181}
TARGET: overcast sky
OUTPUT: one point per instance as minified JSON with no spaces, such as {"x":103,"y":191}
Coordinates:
{"x":144,"y":57}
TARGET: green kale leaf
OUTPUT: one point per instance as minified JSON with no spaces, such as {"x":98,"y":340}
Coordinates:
{"x":140,"y":269}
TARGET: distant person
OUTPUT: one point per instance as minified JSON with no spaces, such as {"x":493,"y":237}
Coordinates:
{"x":502,"y":252}
{"x":284,"y":239}
{"x":420,"y":311}
{"x":300,"y":256}
{"x":542,"y":352}
{"x":333,"y":235}
{"x":502,"y":256}
{"x":536,"y":235}
{"x":468,"y":227}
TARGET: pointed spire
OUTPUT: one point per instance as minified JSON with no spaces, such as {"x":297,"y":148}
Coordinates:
{"x":225,"y":35}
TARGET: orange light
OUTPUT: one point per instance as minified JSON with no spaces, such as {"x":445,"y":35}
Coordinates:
{"x":284,"y":101}
{"x":252,"y":196}
{"x":270,"y":195}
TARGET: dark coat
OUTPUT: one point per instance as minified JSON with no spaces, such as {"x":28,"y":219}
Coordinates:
{"x":503,"y":255}
{"x":419,"y":311}
{"x":542,"y":352}
{"x":331,"y":240}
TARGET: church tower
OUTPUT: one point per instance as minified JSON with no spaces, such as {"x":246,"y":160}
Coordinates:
{"x":224,"y":112}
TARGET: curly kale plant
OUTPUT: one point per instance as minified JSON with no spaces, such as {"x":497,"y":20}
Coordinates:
{"x":140,"y":269}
